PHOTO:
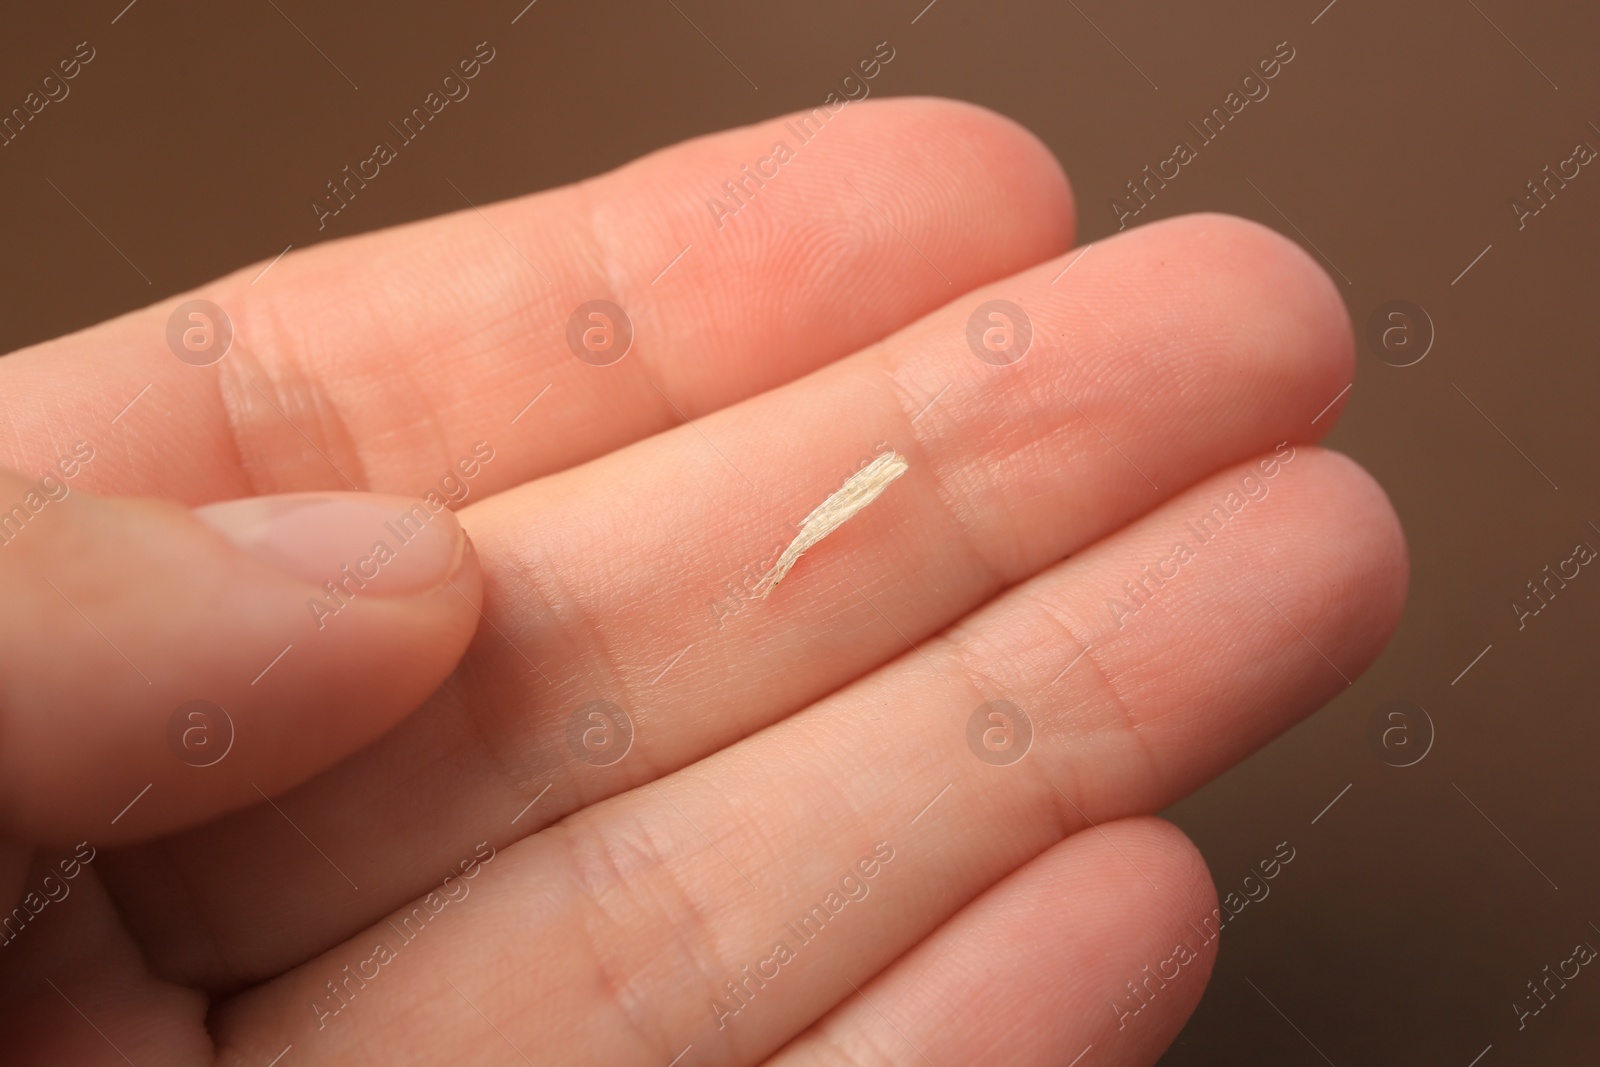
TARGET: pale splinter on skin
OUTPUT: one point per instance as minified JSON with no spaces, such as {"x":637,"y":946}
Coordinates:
{"x":862,"y":489}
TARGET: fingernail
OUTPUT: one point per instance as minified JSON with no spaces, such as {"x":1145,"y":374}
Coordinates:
{"x":363,"y":543}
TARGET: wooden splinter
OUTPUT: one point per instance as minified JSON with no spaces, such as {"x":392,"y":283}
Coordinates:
{"x":861,"y":489}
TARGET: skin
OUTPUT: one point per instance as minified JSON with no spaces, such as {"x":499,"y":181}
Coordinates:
{"x":778,"y":745}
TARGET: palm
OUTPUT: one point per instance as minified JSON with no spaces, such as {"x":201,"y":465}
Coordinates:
{"x":634,"y":872}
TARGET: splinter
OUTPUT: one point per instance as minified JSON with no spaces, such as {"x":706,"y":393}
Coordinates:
{"x":862,"y":489}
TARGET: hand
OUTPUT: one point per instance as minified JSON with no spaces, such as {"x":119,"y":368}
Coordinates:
{"x":899,"y":811}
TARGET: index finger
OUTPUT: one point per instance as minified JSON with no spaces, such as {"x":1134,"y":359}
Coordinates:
{"x":399,"y":361}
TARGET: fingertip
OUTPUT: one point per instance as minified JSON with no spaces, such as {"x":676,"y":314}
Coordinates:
{"x":165,"y":666}
{"x":1029,"y":184}
{"x":1373,"y":559}
{"x":1152,"y":876}
{"x":960,"y":171}
{"x":1183,"y":891}
{"x":1290,"y":327}
{"x":1159,"y":929}
{"x":368,"y":543}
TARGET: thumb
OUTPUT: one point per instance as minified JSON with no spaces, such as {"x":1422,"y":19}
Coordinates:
{"x":160,"y":666}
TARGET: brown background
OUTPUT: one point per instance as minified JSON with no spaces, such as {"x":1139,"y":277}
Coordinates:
{"x":1408,"y":922}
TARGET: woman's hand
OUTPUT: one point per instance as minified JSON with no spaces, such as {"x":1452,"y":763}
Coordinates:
{"x":897,"y":812}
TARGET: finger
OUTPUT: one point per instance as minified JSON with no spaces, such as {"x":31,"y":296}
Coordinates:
{"x":163,"y":666}
{"x":384,"y":361}
{"x":879,"y":784}
{"x":1075,"y":953}
{"x":1194,"y":344}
